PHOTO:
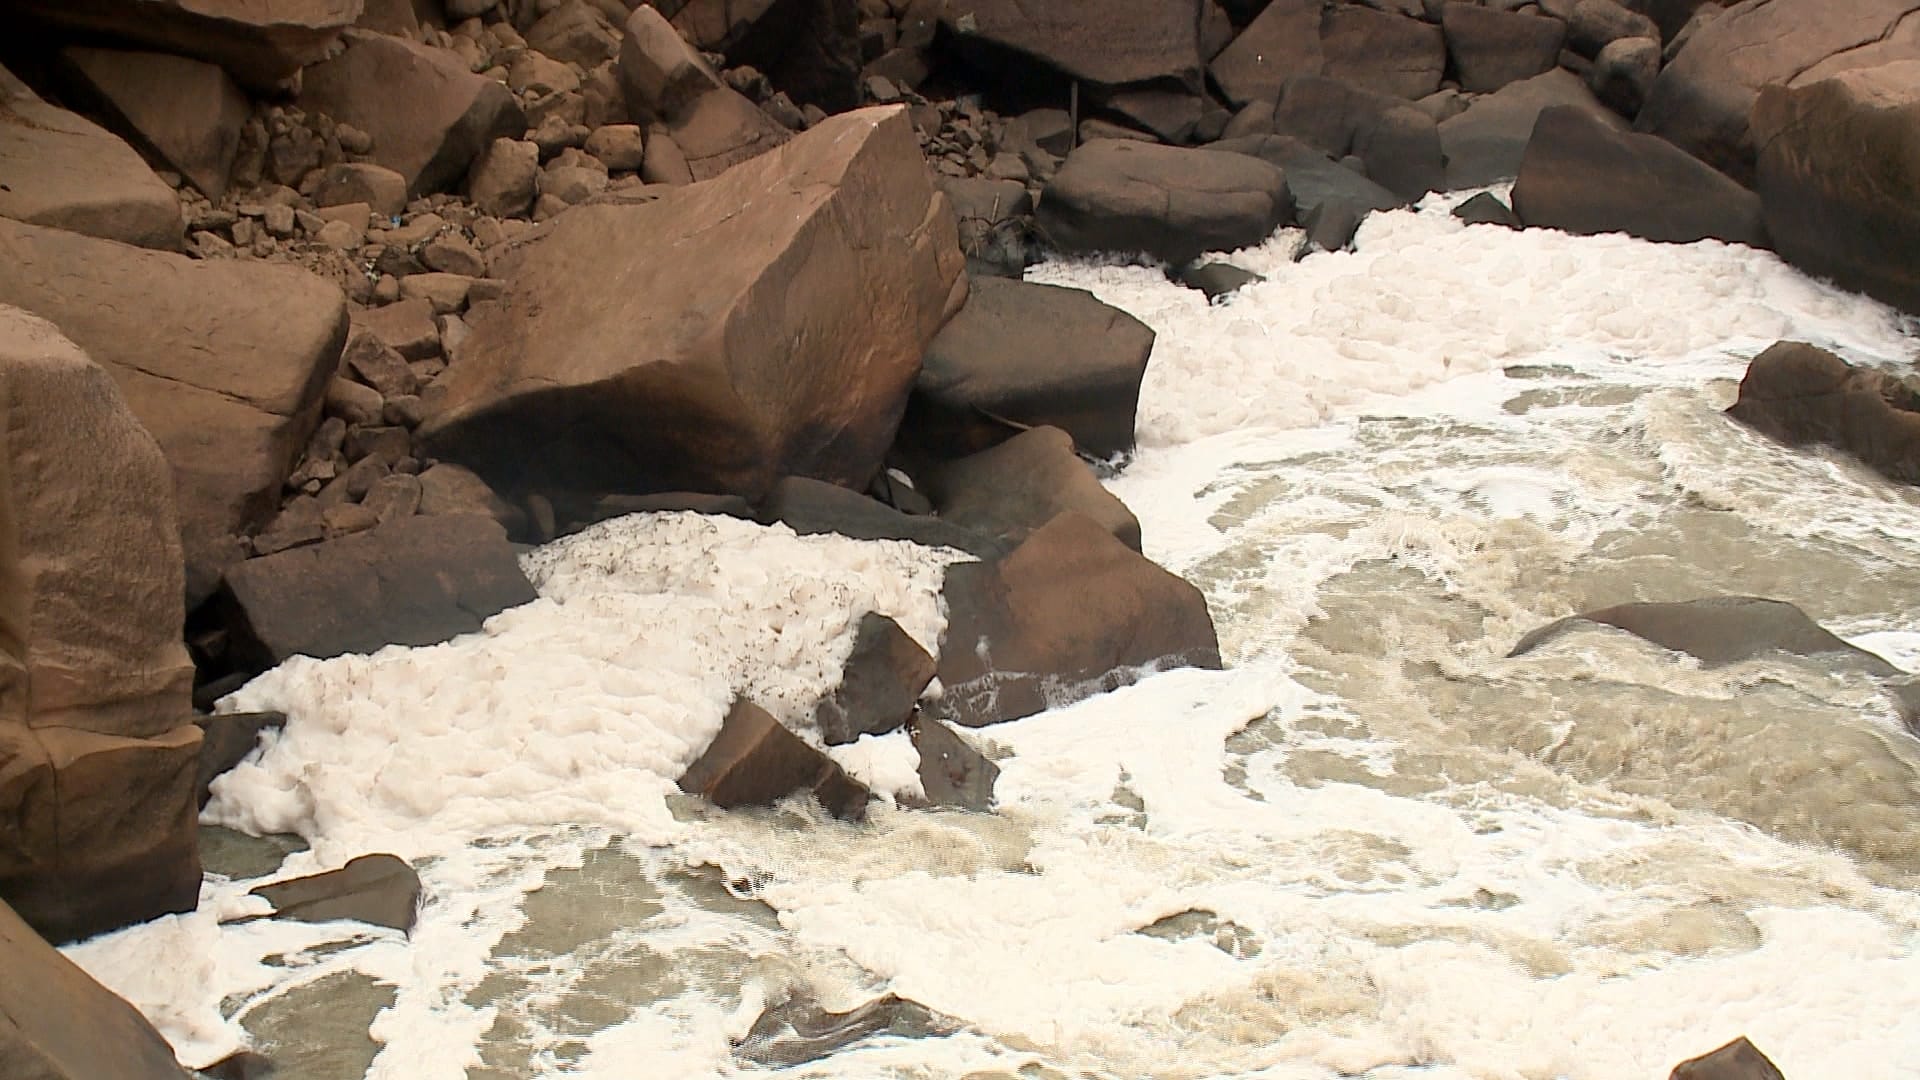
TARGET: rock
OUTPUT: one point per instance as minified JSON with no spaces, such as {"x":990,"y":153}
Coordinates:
{"x":381,"y":190}
{"x":810,"y":49}
{"x":1738,"y":1060}
{"x":1109,"y":47}
{"x":505,"y":178}
{"x":1702,"y":101}
{"x":787,"y":348}
{"x":754,"y":761}
{"x":799,"y":1031}
{"x":412,"y":581}
{"x":1169,"y":203}
{"x":1281,"y":42}
{"x":1492,"y":48}
{"x":183,"y":112}
{"x":951,"y":771}
{"x":96,"y":752}
{"x":1388,"y":54}
{"x":444,"y":293}
{"x":225,"y":362}
{"x":1800,"y":394}
{"x":538,"y":74}
{"x":620,"y":147}
{"x":428,"y":115}
{"x":1022,"y":354}
{"x":378,"y":889}
{"x":1215,"y":279}
{"x":68,"y":173}
{"x":1718,"y":630}
{"x":1838,"y":161}
{"x":1399,"y":144}
{"x":452,"y":254}
{"x":59,"y":1024}
{"x":666,"y":82}
{"x":1070,"y":612}
{"x":883,"y":678}
{"x":226,"y":740}
{"x":1484,"y":144}
{"x":1320,"y":186}
{"x":574,"y":32}
{"x":809,"y":507}
{"x":1583,"y":177}
{"x":260,"y":42}
{"x":1623,"y":74}
{"x":354,"y":402}
{"x":377,"y":364}
{"x":1487,"y":209}
{"x":406,"y":327}
{"x":1595,"y":24}
{"x":449,"y":489}
{"x":1015,"y":488}
{"x":994,"y":217}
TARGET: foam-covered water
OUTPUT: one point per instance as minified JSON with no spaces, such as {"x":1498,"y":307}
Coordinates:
{"x":1375,"y":846}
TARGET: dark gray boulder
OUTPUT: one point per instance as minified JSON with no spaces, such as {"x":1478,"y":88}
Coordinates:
{"x":1399,"y":144}
{"x":1388,"y":53}
{"x":756,"y":761}
{"x":809,"y":507}
{"x":952,"y":771}
{"x":1485,"y":142}
{"x":1012,"y":489}
{"x":1800,"y":394}
{"x":378,"y":889}
{"x":1738,"y":1060}
{"x":882,"y":679}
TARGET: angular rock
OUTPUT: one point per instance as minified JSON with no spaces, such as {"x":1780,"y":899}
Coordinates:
{"x":406,"y":327}
{"x":810,"y":49}
{"x":380,"y":189}
{"x":1623,"y":73}
{"x":1703,"y":99}
{"x":1738,"y":1060}
{"x":755,"y":761}
{"x":1492,"y":48}
{"x":1107,"y":44}
{"x":428,"y":115}
{"x":1671,"y":15}
{"x":1069,"y":613}
{"x":1839,"y":161}
{"x":68,"y":173}
{"x":1487,"y":209}
{"x":1022,"y":354}
{"x":224,"y":362}
{"x":505,"y":178}
{"x":574,"y":32}
{"x":226,"y":740}
{"x":1398,"y":143}
{"x":1484,"y":144}
{"x":412,"y":581}
{"x":1167,"y":202}
{"x":952,"y":772}
{"x":183,"y":112}
{"x":1719,"y":630}
{"x":1595,"y":24}
{"x":1281,"y":42}
{"x":1317,"y":183}
{"x":260,"y":42}
{"x":1581,"y":176}
{"x":57,"y":1023}
{"x":1019,"y":486}
{"x":378,"y":889}
{"x":620,"y":147}
{"x":1388,"y":54}
{"x":810,"y":507}
{"x":799,"y":1031}
{"x":1215,"y":279}
{"x":1800,"y":394}
{"x":882,"y":679}
{"x":785,"y":346}
{"x":994,"y":217}
{"x":667,"y":83}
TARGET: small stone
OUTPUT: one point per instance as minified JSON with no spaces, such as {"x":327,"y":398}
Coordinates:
{"x":340,"y":236}
{"x":209,"y":245}
{"x":785,"y":112}
{"x":504,"y":178}
{"x":406,"y":410}
{"x":547,"y":206}
{"x":357,"y":182}
{"x":881,"y":89}
{"x":378,"y":365}
{"x":278,"y":221}
{"x":486,"y":289}
{"x":450,"y":253}
{"x":386,"y":443}
{"x":360,"y":478}
{"x":620,"y":147}
{"x":406,"y":326}
{"x":444,"y":292}
{"x":386,"y":290}
{"x":243,"y":232}
{"x":352,"y":139}
{"x":454,"y":332}
{"x":557,"y":133}
{"x":572,"y":184}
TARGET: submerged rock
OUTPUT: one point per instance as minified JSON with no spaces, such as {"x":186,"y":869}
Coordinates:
{"x":952,"y":771}
{"x":378,"y":889}
{"x":756,"y":761}
{"x":1718,"y":630}
{"x":1738,"y":1060}
{"x":798,"y":1031}
{"x":1799,"y":394}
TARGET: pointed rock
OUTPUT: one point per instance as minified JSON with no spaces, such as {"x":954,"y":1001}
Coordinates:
{"x":1738,"y":1060}
{"x":952,"y":772}
{"x":755,"y":761}
{"x":66,"y":172}
{"x":378,"y":889}
{"x":883,"y":677}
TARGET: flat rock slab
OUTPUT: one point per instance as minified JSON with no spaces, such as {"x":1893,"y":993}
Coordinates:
{"x":69,"y":173}
{"x":879,"y":684}
{"x":1169,"y":203}
{"x":412,"y":581}
{"x":756,"y":761}
{"x":1109,"y":43}
{"x":378,"y":889}
{"x":1069,"y":613}
{"x":1800,"y":394}
{"x":1719,"y":630}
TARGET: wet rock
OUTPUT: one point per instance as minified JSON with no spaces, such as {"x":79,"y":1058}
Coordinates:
{"x":1315,"y":181}
{"x":226,"y":740}
{"x":1281,"y":42}
{"x":1486,"y":141}
{"x":1170,"y":203}
{"x":1738,"y":1060}
{"x":882,"y":679}
{"x":412,"y":581}
{"x":755,"y":761}
{"x":798,"y":1031}
{"x":952,"y":772}
{"x":1021,"y":354}
{"x":784,"y":343}
{"x":1487,"y":209}
{"x":1385,"y":53}
{"x":668,"y":83}
{"x":185,"y":113}
{"x":1491,"y":48}
{"x":1012,"y":489}
{"x":68,"y":173}
{"x":1069,"y":613}
{"x":1398,"y":143}
{"x":59,"y":1024}
{"x":261,"y":42}
{"x":1581,"y":176}
{"x":1718,"y":630}
{"x":378,"y":889}
{"x":1800,"y":394}
{"x":381,"y":190}
{"x":1623,"y":74}
{"x":809,"y":507}
{"x":1215,"y":279}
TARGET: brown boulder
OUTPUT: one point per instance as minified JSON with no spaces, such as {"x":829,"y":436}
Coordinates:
{"x":755,"y":761}
{"x":882,"y":679}
{"x":68,"y":173}
{"x":1738,"y":1060}
{"x":411,"y":581}
{"x":1011,"y":490}
{"x":183,"y":112}
{"x":378,"y":889}
{"x":781,"y":341}
{"x":429,"y":116}
{"x":57,"y":1023}
{"x":1486,"y":143}
{"x":668,"y":83}
{"x":1800,"y":394}
{"x":1281,"y":42}
{"x":1492,"y":48}
{"x":260,"y":42}
{"x":1398,"y":143}
{"x":1386,"y":53}
{"x":1718,"y":630}
{"x":225,"y":362}
{"x":810,"y":507}
{"x":810,"y":49}
{"x":97,"y":757}
{"x":1069,"y":613}
{"x":1031,"y":354}
{"x":1170,"y":203}
{"x":1106,"y":43}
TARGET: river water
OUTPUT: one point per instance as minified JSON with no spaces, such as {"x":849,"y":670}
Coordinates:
{"x":1373,"y":847}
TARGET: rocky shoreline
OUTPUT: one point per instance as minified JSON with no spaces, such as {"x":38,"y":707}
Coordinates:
{"x":314,"y":314}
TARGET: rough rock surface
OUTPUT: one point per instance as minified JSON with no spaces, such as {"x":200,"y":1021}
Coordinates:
{"x":184,"y":112}
{"x":1070,"y":612}
{"x":69,"y":173}
{"x":1718,"y":630}
{"x":1491,"y":48}
{"x":1012,"y":489}
{"x":952,"y":772}
{"x":1170,"y":203}
{"x":1800,"y":394}
{"x":1486,"y":142}
{"x":225,"y":362}
{"x":260,"y":41}
{"x":1738,"y":1060}
{"x":829,"y":264}
{"x":667,"y":82}
{"x":1281,"y":42}
{"x":1381,"y":51}
{"x":809,"y":49}
{"x":754,"y":761}
{"x":883,"y":678}
{"x":378,"y":889}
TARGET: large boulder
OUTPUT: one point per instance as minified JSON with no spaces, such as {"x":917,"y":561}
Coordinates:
{"x":810,"y":49}
{"x":668,"y":83}
{"x":57,"y":1023}
{"x":1718,"y":630}
{"x":1011,"y":490}
{"x":1491,"y":48}
{"x":412,"y":581}
{"x":755,"y":761}
{"x":1485,"y":144}
{"x":1169,"y":203}
{"x":1069,"y":613}
{"x":1317,"y":184}
{"x":225,"y":362}
{"x":1584,"y":177}
{"x":428,"y":115}
{"x":1281,"y":42}
{"x":1839,"y":165}
{"x":1381,"y":51}
{"x":97,"y":752}
{"x":69,"y":173}
{"x":1703,"y":99}
{"x":1801,"y":394}
{"x":1024,"y":354}
{"x":767,"y":323}
{"x":261,"y":42}
{"x":1398,"y":144}
{"x":186,"y":113}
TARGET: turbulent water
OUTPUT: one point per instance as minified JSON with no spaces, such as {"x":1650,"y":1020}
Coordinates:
{"x":1374,"y":847}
